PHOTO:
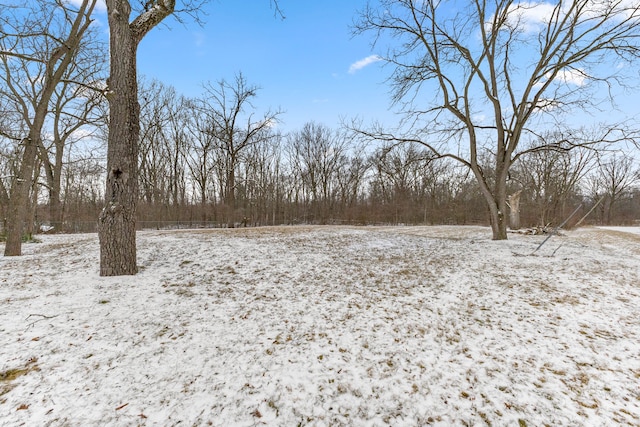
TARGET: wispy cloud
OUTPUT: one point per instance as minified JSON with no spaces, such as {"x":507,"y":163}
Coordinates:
{"x":358,"y":65}
{"x":100,"y":5}
{"x":575,"y":76}
{"x":199,"y":38}
{"x":530,"y":16}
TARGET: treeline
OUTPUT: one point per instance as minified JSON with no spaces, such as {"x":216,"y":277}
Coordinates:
{"x":213,"y":161}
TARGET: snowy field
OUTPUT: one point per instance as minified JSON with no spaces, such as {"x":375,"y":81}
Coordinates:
{"x":325,"y":326}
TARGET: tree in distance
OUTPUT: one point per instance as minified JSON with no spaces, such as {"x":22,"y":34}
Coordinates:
{"x":493,"y":77}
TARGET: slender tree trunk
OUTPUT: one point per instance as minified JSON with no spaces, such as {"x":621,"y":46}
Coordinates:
{"x":19,"y":197}
{"x":53,"y":174}
{"x":231,"y":195}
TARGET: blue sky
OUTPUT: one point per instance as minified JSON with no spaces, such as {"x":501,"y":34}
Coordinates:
{"x":309,"y":65}
{"x":306,"y":64}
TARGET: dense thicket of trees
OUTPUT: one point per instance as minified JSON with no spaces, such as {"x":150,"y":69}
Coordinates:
{"x":316,"y":175}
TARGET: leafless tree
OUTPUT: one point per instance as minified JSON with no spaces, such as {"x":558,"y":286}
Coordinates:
{"x":116,"y":225}
{"x":78,"y":112}
{"x":401,"y":180}
{"x":164,"y":123}
{"x":351,"y":175}
{"x":231,"y":120}
{"x":201,"y":158}
{"x":613,"y":181}
{"x":316,"y":152}
{"x":38,"y":43}
{"x":496,"y":72}
{"x":549,"y":180}
{"x":262,"y":191}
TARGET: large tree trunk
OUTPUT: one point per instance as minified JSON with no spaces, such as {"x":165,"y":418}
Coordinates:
{"x":117,"y":222}
{"x":497,"y":219}
{"x":496,"y":200}
{"x":55,"y":210}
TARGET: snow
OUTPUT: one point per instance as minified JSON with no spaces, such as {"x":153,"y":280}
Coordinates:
{"x":325,"y":326}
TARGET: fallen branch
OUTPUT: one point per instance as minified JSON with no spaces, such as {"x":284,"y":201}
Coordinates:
{"x":588,"y":213}
{"x":43,"y":317}
{"x":555,"y":230}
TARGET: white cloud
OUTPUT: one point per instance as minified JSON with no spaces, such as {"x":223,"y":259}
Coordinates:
{"x":479,"y":118}
{"x":363,"y":63}
{"x":529,"y":16}
{"x":548,"y":104}
{"x":576,"y":77}
{"x":100,"y":5}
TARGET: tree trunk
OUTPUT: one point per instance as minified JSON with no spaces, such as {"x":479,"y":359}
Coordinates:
{"x":55,"y":211}
{"x":514,"y":210}
{"x":117,"y":221}
{"x":498,"y":220}
{"x":19,"y":197}
{"x":496,"y":201}
{"x":231,"y":195}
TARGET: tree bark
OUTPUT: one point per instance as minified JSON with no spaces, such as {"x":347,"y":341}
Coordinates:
{"x":514,"y":210}
{"x":498,"y":220}
{"x":117,"y":221}
{"x":19,"y":196}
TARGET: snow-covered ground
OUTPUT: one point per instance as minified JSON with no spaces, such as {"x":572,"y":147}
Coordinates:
{"x":325,"y":326}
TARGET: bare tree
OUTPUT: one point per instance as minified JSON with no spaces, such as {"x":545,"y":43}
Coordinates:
{"x":468,"y":58}
{"x":316,"y":153}
{"x":77,"y":113}
{"x":37,"y":46}
{"x":351,"y":174}
{"x":231,"y":120}
{"x":402,"y":176}
{"x":164,"y":120}
{"x":549,"y":180}
{"x":201,"y":156}
{"x":613,"y":181}
{"x":262,"y":189}
{"x":117,"y":225}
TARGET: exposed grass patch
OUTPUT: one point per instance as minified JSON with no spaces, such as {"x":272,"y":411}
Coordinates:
{"x":8,"y":376}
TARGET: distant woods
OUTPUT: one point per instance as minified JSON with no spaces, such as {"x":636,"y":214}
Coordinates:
{"x":217,"y":161}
